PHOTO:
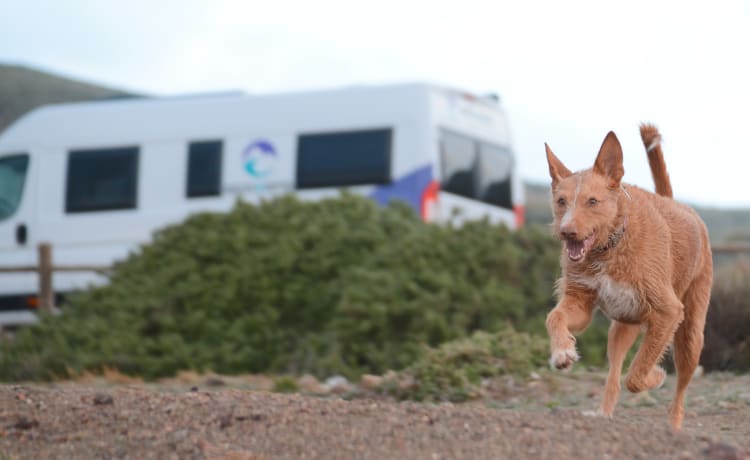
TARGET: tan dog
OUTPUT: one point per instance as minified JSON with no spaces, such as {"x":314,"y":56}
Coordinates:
{"x":643,"y":259}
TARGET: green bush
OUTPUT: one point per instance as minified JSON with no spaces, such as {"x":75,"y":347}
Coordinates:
{"x":285,"y":385}
{"x":334,"y":286}
{"x":441,"y":284}
{"x":454,"y":371}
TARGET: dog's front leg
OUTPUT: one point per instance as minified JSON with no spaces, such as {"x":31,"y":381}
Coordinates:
{"x":571,"y":315}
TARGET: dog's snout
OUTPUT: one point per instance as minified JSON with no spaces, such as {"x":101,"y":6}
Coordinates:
{"x":569,"y":233}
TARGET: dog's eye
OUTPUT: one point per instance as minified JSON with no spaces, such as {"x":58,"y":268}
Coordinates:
{"x":561,"y":202}
{"x":593,"y":201}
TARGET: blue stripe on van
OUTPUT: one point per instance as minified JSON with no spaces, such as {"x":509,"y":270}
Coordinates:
{"x":408,"y":188}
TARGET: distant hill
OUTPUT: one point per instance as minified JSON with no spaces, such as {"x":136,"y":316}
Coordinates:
{"x":727,"y":225}
{"x":537,"y":203}
{"x":724,"y":225}
{"x":23,"y":89}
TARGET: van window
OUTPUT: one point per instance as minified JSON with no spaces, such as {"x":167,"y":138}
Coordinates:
{"x":475,"y":169}
{"x":12,"y":177}
{"x":495,"y":166}
{"x":102,"y":179}
{"x":204,"y":168}
{"x":344,"y":158}
{"x":459,"y":157}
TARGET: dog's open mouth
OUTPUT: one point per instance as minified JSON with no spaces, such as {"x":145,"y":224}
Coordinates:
{"x":577,"y":249}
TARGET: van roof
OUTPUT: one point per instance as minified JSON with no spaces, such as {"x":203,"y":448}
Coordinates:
{"x":207,"y":114}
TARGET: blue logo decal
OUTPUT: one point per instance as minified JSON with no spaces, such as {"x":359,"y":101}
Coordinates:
{"x":259,"y":158}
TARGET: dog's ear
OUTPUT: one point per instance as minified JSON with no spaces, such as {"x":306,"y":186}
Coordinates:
{"x":609,"y":161}
{"x":557,"y":170}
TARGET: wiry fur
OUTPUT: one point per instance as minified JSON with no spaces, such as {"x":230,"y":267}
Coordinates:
{"x":655,"y":276}
{"x":652,"y":141}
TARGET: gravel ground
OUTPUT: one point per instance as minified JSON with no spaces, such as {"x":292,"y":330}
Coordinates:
{"x":536,"y":418}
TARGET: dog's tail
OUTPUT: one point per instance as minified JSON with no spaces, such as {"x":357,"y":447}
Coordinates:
{"x":652,"y":141}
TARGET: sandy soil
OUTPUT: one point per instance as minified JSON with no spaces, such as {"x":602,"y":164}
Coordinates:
{"x":234,"y":418}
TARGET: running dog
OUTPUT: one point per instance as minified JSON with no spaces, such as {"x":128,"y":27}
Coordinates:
{"x":642,"y":258}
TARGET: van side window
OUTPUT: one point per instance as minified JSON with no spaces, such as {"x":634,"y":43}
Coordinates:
{"x":12,"y":177}
{"x":204,"y":168}
{"x":102,"y":179}
{"x":344,"y":158}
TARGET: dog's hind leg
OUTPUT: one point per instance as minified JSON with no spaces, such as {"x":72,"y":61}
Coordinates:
{"x":688,"y":343}
{"x":620,"y":338}
{"x":644,"y":373}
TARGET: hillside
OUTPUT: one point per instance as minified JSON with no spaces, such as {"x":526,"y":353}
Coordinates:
{"x":537,"y":203}
{"x":23,"y":89}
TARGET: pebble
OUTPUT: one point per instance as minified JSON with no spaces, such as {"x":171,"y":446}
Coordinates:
{"x":336,"y":381}
{"x":101,"y":399}
{"x":371,"y":382}
{"x":310,"y":384}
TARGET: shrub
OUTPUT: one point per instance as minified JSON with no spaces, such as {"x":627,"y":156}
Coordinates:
{"x":441,"y":284}
{"x":285,"y":385}
{"x":334,"y":286}
{"x":454,"y":371}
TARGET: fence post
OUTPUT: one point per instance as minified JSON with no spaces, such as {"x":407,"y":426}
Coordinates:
{"x":46,"y":291}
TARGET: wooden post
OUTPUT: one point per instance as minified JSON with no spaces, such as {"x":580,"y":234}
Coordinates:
{"x":46,"y":291}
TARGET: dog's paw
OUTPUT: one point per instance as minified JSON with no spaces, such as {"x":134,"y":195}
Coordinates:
{"x":654,"y":379}
{"x":563,"y":359}
{"x":657,"y":377}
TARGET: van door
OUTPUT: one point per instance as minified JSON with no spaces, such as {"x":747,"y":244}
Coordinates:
{"x":17,"y":247}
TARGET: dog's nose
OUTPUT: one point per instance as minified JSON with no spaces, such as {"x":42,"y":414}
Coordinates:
{"x":569,"y":233}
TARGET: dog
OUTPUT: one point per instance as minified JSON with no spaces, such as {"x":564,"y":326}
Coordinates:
{"x":641,"y":258}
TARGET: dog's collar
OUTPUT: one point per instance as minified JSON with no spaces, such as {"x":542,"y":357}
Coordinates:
{"x":613,"y":238}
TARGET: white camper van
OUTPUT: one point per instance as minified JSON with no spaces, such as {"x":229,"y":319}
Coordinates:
{"x":96,"y":179}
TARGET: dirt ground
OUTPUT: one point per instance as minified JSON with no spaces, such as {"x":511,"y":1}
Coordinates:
{"x":238,"y":418}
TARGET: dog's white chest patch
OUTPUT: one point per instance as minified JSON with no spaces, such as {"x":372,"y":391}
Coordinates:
{"x":617,"y":301}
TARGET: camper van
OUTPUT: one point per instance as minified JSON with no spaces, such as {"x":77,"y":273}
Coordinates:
{"x":95,"y":179}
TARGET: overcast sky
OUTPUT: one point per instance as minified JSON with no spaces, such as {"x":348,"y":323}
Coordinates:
{"x":566,"y":71}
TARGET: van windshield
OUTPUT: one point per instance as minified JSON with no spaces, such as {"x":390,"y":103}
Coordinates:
{"x":12,"y":177}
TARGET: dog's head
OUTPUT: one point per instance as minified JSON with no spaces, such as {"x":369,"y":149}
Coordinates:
{"x":585,"y":203}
